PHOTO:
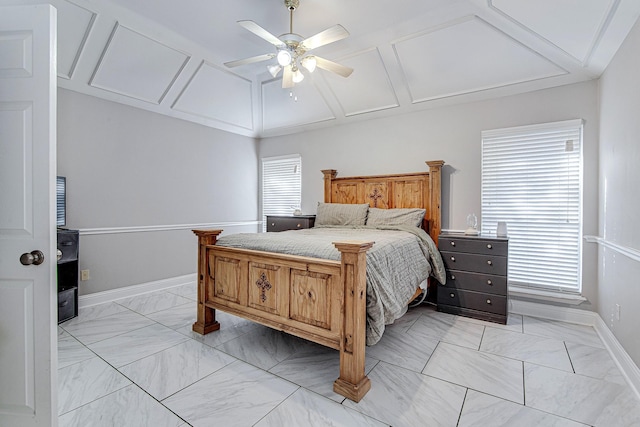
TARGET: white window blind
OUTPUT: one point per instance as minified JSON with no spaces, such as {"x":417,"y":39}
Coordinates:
{"x":281,"y":186}
{"x":532,"y":180}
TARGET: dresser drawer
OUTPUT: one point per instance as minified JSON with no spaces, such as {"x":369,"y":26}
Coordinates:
{"x":474,"y":245}
{"x":488,"y":264}
{"x":473,"y":300}
{"x":283,"y":223}
{"x":488,"y":283}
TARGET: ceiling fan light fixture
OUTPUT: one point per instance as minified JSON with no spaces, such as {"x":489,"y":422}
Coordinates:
{"x":292,"y":50}
{"x":297,"y":76}
{"x":274,"y":69}
{"x":309,"y":62}
{"x":284,"y":57}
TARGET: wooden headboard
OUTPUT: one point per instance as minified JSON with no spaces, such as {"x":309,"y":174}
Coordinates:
{"x":410,"y":190}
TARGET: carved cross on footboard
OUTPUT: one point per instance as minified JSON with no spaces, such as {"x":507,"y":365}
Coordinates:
{"x":264,"y":286}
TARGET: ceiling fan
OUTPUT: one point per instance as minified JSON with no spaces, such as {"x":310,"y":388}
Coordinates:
{"x":292,"y":50}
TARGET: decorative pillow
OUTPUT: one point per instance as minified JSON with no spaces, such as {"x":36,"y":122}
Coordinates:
{"x":341,"y":214}
{"x":409,"y":217}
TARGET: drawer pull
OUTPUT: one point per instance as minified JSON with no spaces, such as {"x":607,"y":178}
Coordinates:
{"x":489,"y":282}
{"x":489,"y":262}
{"x":452,"y":295}
{"x":489,"y":246}
{"x":453,"y":243}
{"x":453,"y":259}
{"x":488,"y":301}
{"x":273,"y":224}
{"x":299,"y":225}
{"x":453,"y":277}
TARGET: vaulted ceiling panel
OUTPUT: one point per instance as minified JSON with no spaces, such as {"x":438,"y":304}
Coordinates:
{"x":168,"y":56}
{"x":74,"y":25}
{"x":219,"y":95}
{"x":466,"y":56}
{"x":354,"y":93}
{"x":572,"y":25}
{"x":300,"y":105}
{"x":137,"y":66}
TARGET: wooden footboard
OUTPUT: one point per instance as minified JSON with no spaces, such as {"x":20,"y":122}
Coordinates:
{"x":323,"y":301}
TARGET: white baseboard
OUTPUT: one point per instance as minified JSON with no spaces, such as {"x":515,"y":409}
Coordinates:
{"x":629,"y":369}
{"x":133,"y":290}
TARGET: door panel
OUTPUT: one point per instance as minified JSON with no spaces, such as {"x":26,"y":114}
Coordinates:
{"x":28,"y":298}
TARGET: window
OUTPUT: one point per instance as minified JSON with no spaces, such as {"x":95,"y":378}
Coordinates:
{"x":532,"y":179}
{"x":281,"y":186}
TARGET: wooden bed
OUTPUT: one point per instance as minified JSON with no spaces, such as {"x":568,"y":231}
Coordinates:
{"x":320,"y":300}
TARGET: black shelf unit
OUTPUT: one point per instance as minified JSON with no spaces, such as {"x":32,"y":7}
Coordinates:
{"x":68,"y":244}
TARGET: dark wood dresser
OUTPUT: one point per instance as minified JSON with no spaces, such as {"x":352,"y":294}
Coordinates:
{"x":289,"y":222}
{"x":476,"y":276}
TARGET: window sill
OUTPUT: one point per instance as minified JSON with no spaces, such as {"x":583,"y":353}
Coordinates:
{"x":549,"y":296}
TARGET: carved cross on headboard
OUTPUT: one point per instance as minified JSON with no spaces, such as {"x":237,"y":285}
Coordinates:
{"x":264,"y":286}
{"x":375,"y":196}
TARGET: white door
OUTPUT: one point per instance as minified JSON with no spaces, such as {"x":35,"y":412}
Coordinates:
{"x":28,"y":300}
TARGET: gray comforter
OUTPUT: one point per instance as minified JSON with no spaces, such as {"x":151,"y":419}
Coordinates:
{"x":400,"y":259}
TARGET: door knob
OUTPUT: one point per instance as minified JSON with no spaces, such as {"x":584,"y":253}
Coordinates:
{"x":35,"y":258}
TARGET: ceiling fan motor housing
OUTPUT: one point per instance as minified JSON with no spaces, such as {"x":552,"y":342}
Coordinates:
{"x":292,"y":4}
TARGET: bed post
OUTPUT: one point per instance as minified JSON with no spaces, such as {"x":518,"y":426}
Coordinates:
{"x":206,"y":320}
{"x":329,"y":174}
{"x":353,"y":383}
{"x":435,"y":197}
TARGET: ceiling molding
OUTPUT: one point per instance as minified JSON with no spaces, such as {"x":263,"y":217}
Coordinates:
{"x":354,"y":95}
{"x":217,"y":94}
{"x":137,"y":66}
{"x":74,"y":26}
{"x":168,"y":57}
{"x":479,"y":58}
{"x":533,"y":23}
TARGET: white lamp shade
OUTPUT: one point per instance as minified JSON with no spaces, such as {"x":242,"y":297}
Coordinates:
{"x":309,"y":62}
{"x":298,"y":76}
{"x":284,"y":57}
{"x":274,"y":69}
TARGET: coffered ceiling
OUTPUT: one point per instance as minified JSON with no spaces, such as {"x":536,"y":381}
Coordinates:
{"x":168,"y":56}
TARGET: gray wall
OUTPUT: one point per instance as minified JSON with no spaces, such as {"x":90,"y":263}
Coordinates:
{"x":404,"y":143}
{"x":126,"y":167}
{"x":618,"y":279}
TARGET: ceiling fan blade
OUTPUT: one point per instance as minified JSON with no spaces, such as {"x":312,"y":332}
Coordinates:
{"x":330,"y":35}
{"x":261,"y":32}
{"x":287,"y":78}
{"x":251,"y":60}
{"x":334,"y":67}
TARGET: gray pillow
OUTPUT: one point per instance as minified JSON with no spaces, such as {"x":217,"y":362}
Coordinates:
{"x":341,"y":214}
{"x":410,"y":217}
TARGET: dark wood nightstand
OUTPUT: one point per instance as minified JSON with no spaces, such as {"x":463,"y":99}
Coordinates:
{"x":289,"y":222}
{"x":476,"y":276}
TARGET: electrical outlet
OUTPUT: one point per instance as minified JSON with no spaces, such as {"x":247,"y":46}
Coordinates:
{"x":617,"y":311}
{"x":84,"y":275}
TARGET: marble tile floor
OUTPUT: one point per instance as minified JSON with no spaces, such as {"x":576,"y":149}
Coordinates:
{"x":136,"y":362}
